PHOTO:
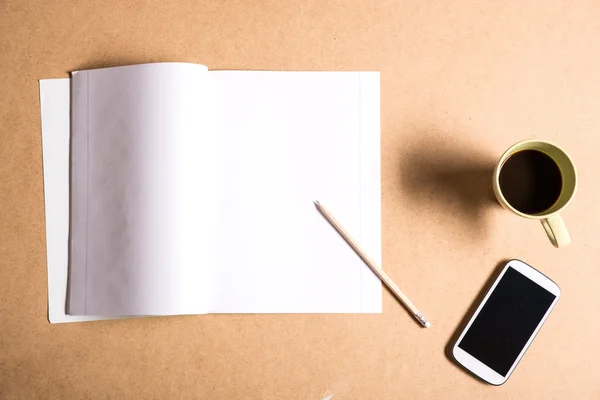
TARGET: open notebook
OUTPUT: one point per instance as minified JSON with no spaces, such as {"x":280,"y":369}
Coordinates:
{"x":171,"y":189}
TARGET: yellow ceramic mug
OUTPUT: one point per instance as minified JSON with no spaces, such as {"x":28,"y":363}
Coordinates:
{"x":524,"y":167}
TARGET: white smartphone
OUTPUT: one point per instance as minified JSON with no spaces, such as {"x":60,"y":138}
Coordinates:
{"x":506,"y":321}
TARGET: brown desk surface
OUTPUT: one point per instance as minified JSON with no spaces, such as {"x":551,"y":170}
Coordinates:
{"x":459,"y":82}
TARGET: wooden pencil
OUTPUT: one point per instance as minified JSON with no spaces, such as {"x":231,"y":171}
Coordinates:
{"x":371,"y":264}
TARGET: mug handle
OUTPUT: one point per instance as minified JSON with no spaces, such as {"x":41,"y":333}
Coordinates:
{"x":556,"y":230}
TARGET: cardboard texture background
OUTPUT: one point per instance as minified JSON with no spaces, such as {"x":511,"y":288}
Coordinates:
{"x":460,"y":82}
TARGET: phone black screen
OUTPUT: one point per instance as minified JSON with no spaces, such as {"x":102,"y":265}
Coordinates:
{"x":507,"y":321}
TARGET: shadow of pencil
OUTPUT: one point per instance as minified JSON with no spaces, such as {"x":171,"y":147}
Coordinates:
{"x":465,"y":319}
{"x":444,"y":178}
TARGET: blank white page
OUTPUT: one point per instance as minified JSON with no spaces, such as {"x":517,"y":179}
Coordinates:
{"x":286,"y":139}
{"x":292,"y":138}
{"x":55,"y":113}
{"x":141,"y":190}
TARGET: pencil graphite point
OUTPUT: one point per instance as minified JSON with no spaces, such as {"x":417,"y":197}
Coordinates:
{"x":422,"y":320}
{"x":316,"y":203}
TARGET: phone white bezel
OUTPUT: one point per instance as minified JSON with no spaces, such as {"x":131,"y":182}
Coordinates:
{"x":476,"y":366}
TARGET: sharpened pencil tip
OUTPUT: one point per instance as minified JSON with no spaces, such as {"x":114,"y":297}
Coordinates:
{"x":422,"y":320}
{"x":316,"y":203}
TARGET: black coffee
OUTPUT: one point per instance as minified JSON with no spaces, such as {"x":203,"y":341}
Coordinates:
{"x":530,"y":181}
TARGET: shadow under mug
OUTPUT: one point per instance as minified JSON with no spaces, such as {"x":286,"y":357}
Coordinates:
{"x":551,"y":220}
